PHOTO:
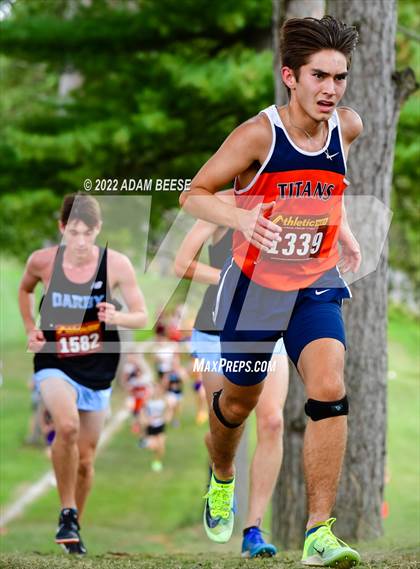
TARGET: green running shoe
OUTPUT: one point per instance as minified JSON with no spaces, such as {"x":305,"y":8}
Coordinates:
{"x":323,"y":549}
{"x":218,"y":512}
{"x":156,"y":466}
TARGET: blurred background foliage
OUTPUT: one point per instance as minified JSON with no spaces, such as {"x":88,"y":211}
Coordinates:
{"x":149,"y":89}
{"x":404,"y":238}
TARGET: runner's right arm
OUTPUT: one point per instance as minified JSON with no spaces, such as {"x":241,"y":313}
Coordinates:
{"x":31,"y":277}
{"x":247,"y":144}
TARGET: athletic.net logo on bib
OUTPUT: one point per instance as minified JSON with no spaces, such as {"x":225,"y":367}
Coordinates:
{"x":78,"y":340}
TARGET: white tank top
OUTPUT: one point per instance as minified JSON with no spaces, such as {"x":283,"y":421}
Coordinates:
{"x":155,"y":410}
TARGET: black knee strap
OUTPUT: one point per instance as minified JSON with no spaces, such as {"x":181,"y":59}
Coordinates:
{"x":318,"y":410}
{"x":218,"y":412}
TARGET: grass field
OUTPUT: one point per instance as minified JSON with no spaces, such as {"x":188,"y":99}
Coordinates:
{"x":200,"y":561}
{"x":136,"y":518}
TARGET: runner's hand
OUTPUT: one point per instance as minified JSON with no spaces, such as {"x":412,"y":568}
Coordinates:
{"x":351,"y":256}
{"x":107,"y":313}
{"x":257,"y":229}
{"x":36,"y":340}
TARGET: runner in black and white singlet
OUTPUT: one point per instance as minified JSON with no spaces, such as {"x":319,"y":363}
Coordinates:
{"x":77,"y":346}
{"x":73,"y":332}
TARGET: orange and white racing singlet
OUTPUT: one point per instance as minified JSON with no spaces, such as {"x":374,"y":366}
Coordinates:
{"x":307,"y":188}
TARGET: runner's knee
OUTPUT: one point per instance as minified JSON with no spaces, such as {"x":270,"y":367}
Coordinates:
{"x":67,"y":430}
{"x":86,"y":468}
{"x":271,"y":424}
{"x":327,"y":387}
{"x":237,"y":409}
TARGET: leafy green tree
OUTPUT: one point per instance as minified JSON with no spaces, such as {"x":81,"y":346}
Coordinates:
{"x":161,"y":85}
{"x":404,"y":238}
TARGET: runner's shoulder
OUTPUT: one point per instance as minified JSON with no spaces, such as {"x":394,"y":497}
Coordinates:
{"x":41,"y":259}
{"x":256,"y":130}
{"x":118,"y":261}
{"x":351,"y":123}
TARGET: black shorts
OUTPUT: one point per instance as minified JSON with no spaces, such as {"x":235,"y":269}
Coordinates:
{"x":153,"y":431}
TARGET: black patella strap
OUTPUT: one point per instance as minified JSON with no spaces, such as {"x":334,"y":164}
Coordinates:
{"x":218,"y":412}
{"x":318,"y":410}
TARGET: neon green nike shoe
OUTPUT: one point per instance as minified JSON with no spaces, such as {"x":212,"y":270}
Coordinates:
{"x":323,"y":549}
{"x":218,"y":512}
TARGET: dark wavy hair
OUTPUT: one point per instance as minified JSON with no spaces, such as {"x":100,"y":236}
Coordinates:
{"x":302,"y":37}
{"x":80,"y":207}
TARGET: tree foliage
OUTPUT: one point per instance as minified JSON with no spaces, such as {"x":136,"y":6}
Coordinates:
{"x":404,"y":241}
{"x":162,"y":84}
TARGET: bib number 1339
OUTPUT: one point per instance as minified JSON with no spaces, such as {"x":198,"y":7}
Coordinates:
{"x":297,"y":245}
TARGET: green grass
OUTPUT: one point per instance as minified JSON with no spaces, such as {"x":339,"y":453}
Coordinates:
{"x":11,"y":328}
{"x":403,"y":490}
{"x":20,"y":464}
{"x":129,"y":501}
{"x":394,"y":560}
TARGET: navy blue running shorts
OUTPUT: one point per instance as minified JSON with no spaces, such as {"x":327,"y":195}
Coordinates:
{"x":251,"y":319}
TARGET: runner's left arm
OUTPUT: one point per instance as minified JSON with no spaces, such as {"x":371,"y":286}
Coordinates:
{"x":136,"y":317}
{"x":350,"y":260}
{"x":351,"y":256}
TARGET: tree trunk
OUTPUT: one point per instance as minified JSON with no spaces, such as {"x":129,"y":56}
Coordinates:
{"x":283,"y":10}
{"x":374,"y":95}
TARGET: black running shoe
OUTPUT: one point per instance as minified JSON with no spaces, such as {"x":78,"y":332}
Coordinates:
{"x":68,"y":527}
{"x":75,"y":548}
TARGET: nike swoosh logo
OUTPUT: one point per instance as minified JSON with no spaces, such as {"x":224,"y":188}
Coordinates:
{"x":318,"y":292}
{"x":331,"y":156}
{"x":319,"y":550}
{"x":211,"y":522}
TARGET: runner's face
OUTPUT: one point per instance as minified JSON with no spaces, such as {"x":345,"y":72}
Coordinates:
{"x":79,"y":238}
{"x":321,"y":85}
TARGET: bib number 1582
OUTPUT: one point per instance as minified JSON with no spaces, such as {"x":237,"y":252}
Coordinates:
{"x":78,"y":340}
{"x":79,"y":344}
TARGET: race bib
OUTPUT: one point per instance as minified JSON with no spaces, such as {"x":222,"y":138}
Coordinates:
{"x":78,"y":340}
{"x":302,"y":238}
